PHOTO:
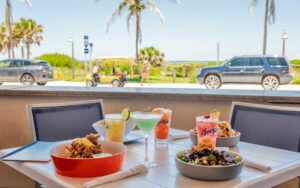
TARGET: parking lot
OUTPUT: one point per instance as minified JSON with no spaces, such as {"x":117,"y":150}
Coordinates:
{"x":289,"y":87}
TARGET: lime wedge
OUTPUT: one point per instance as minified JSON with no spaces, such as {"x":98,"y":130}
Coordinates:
{"x":126,"y":114}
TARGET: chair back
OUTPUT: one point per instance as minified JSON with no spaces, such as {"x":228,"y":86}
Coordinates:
{"x":64,"y":121}
{"x":274,"y":126}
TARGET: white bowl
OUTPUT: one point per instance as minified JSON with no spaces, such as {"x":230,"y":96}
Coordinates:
{"x":213,"y":173}
{"x":221,"y":141}
{"x":100,"y":127}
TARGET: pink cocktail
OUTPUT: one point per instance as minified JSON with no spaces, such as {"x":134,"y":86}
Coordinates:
{"x":206,"y":131}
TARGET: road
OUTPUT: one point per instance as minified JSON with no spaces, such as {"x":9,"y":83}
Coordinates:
{"x":289,"y":87}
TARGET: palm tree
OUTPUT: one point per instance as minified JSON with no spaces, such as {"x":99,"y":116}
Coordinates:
{"x":8,"y":23}
{"x":4,"y":39}
{"x":151,"y":55}
{"x":28,"y":32}
{"x":269,"y":18}
{"x":19,"y":32}
{"x":135,"y":9}
{"x":8,"y":20}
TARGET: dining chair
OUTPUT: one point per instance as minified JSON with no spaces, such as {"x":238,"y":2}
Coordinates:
{"x":64,"y":121}
{"x":268,"y":125}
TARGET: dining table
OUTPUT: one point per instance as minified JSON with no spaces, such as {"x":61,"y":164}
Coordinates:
{"x":285,"y":166}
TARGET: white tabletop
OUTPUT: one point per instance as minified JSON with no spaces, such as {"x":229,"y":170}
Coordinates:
{"x":285,"y":166}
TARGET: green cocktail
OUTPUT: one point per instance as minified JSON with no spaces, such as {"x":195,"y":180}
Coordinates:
{"x":146,"y":121}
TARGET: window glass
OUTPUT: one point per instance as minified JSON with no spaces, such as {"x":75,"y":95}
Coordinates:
{"x":276,"y":61}
{"x":256,"y":62}
{"x":16,"y":63}
{"x":27,"y":63}
{"x":4,"y":64}
{"x":238,"y":62}
{"x":44,"y":63}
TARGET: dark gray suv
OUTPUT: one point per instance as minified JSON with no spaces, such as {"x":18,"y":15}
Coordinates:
{"x":25,"y":71}
{"x":269,"y":71}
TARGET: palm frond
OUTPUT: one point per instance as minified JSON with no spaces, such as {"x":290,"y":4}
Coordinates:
{"x":130,"y":19}
{"x":175,"y":1}
{"x":118,"y":12}
{"x":272,"y":12}
{"x":27,"y":2}
{"x":252,"y":4}
{"x":155,"y":10}
{"x":140,"y":32}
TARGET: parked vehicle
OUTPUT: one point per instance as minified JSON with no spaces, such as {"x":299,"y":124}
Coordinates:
{"x":27,"y":72}
{"x":269,"y":71}
{"x":116,"y":79}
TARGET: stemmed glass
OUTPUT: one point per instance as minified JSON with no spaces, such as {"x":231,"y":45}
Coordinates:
{"x":146,"y":121}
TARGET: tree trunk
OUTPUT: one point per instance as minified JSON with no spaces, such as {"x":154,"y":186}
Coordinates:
{"x":137,"y":37}
{"x":22,"y":51}
{"x":264,"y":51}
{"x":131,"y":68}
{"x":8,"y":28}
{"x":8,"y":51}
{"x":28,"y":50}
{"x":12,"y":51}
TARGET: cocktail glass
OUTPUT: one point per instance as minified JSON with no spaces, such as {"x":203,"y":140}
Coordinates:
{"x":146,"y":121}
{"x":115,"y":127}
{"x":206,"y":132}
{"x":163,"y":127}
{"x":214,"y":115}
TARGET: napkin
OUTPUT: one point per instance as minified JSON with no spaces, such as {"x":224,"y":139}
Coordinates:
{"x":7,"y":151}
{"x":257,"y":165}
{"x":2,"y":153}
{"x":177,"y":136}
{"x":138,"y":169}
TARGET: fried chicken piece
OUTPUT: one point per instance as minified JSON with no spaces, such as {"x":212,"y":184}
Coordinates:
{"x":93,"y":138}
{"x":206,"y":143}
{"x":224,"y":124}
{"x":84,"y":147}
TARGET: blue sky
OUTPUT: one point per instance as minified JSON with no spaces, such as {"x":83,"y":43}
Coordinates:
{"x":191,"y":30}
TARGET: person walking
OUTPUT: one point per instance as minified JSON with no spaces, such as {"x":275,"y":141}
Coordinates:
{"x":95,"y":72}
{"x":145,"y":72}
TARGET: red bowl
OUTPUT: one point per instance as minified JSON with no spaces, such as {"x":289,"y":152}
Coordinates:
{"x":73,"y":167}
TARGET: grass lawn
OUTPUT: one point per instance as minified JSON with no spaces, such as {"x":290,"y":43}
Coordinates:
{"x":296,"y":72}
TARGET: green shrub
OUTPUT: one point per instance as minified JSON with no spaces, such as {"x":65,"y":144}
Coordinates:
{"x":296,"y":80}
{"x":59,"y":60}
{"x":213,"y":63}
{"x":183,"y":69}
{"x":122,"y":65}
{"x":66,"y":74}
{"x":156,"y":71}
{"x":295,"y":62}
{"x":192,"y":76}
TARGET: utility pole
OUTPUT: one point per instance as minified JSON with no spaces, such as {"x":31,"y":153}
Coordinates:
{"x":91,"y":62}
{"x":86,"y":50}
{"x":218,"y":52}
{"x":22,"y":49}
{"x":73,"y":60}
{"x":71,"y":40}
{"x":284,"y":39}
